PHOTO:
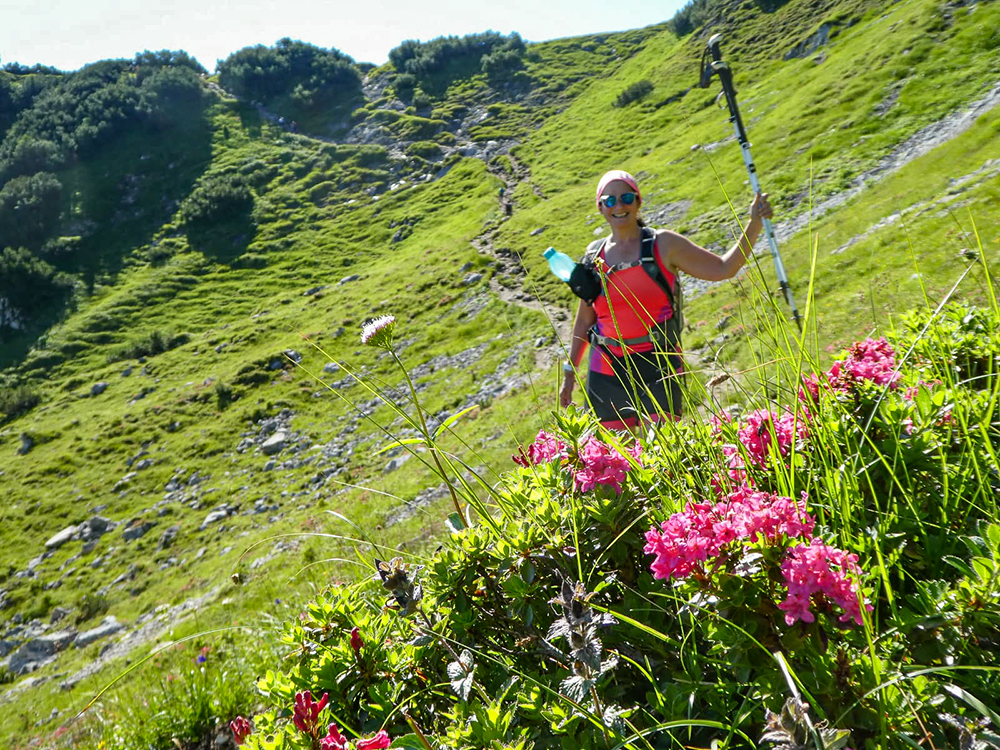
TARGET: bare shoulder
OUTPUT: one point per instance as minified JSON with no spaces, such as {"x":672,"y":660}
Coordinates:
{"x":669,"y":243}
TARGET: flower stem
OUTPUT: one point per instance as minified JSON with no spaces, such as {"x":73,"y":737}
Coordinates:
{"x":430,"y":441}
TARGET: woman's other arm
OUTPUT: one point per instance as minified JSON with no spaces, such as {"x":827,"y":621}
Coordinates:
{"x":585,"y":318}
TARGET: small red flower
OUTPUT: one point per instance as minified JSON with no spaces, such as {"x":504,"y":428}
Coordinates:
{"x":241,"y":729}
{"x":306,"y":714}
{"x":356,"y":642}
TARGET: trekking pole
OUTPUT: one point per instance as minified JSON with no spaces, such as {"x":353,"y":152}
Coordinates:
{"x":717,"y":66}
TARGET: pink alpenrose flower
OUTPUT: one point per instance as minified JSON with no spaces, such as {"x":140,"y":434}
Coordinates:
{"x":334,"y":740}
{"x":378,"y":742}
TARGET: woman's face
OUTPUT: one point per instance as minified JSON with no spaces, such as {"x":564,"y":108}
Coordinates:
{"x":621,"y":214}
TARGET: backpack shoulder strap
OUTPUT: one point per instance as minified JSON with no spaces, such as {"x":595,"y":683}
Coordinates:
{"x":649,"y":264}
{"x":593,"y":250}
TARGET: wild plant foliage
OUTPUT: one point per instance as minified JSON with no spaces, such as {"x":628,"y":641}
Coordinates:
{"x":773,"y":576}
{"x":309,"y":77}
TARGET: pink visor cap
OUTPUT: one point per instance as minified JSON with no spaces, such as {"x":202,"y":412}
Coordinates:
{"x":617,"y":174}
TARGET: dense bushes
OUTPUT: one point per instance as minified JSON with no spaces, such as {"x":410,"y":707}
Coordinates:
{"x":446,"y":58}
{"x":69,"y":116}
{"x":29,"y":209}
{"x":29,"y":284}
{"x":311,"y":77}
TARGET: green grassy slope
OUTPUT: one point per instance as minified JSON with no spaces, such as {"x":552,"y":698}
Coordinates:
{"x":235,"y":300}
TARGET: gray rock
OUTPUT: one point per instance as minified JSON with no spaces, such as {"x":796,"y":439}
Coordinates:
{"x":98,"y":388}
{"x":59,"y":613}
{"x":137,"y":528}
{"x":214,"y":517}
{"x":348,"y":279}
{"x":536,"y":232}
{"x":396,"y":463}
{"x":169,"y":537}
{"x":471,"y":279}
{"x":330,"y":367}
{"x":95,"y":527}
{"x":109,"y":626}
{"x":37,"y":653}
{"x":314,"y":290}
{"x":127,"y":371}
{"x":27,"y":443}
{"x":144,"y":464}
{"x":274,"y":444}
{"x":293,"y":355}
{"x":58,"y":540}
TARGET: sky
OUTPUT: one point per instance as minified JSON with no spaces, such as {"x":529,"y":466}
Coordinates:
{"x":68,"y":34}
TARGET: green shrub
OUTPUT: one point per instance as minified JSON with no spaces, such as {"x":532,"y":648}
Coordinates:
{"x":424,"y":149}
{"x":634,"y":93}
{"x":309,"y":77}
{"x":18,"y":400}
{"x":30,"y":285}
{"x":90,"y":605}
{"x":29,"y":209}
{"x":218,"y":199}
{"x":149,"y":345}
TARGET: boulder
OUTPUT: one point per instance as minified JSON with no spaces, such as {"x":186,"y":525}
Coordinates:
{"x":215,"y":516}
{"x":38,"y":652}
{"x":58,"y":540}
{"x":136,"y":529}
{"x":109,"y":626}
{"x":27,"y":443}
{"x":95,"y":527}
{"x":274,"y":444}
{"x":98,"y":388}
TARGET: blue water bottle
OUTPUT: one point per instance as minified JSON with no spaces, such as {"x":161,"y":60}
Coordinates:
{"x":561,"y":264}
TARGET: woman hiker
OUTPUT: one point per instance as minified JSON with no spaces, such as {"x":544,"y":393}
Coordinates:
{"x":630,"y":322}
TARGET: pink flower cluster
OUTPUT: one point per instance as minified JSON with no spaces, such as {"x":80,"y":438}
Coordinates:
{"x":602,"y":465}
{"x":761,"y":430}
{"x":813,"y":572}
{"x":816,"y":570}
{"x":702,"y":531}
{"x":873,"y":360}
{"x":546,"y":448}
{"x":334,"y":740}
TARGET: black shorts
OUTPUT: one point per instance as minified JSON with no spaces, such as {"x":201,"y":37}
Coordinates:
{"x":643,"y":384}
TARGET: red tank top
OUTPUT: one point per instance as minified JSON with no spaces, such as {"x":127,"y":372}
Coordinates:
{"x":632,"y":304}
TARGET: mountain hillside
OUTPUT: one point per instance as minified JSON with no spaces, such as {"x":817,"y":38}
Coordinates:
{"x":187,"y":261}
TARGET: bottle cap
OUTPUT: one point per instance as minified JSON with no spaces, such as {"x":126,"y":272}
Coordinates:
{"x":549,"y":253}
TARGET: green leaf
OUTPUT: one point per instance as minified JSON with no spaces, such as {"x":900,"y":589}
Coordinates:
{"x":993,"y":534}
{"x":455,"y":523}
{"x":971,"y":700}
{"x":959,"y":565}
{"x":409,"y":741}
{"x":399,"y":444}
{"x":452,"y":419}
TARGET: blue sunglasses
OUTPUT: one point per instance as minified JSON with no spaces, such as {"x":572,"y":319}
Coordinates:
{"x":610,"y":201}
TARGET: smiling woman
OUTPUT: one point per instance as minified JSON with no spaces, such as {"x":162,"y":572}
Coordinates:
{"x":632,"y":318}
